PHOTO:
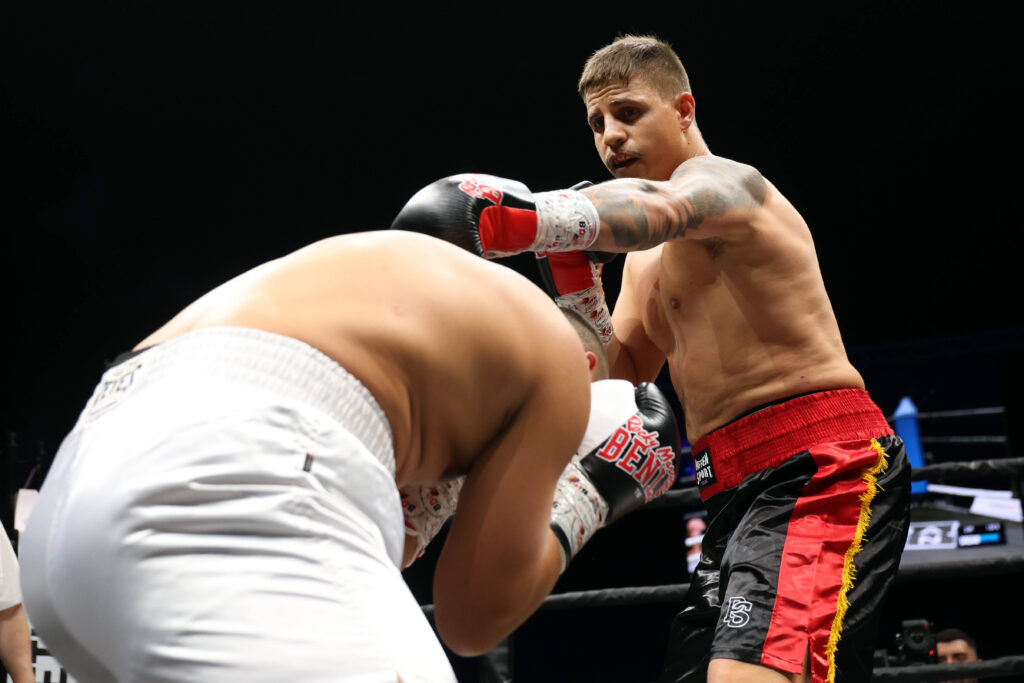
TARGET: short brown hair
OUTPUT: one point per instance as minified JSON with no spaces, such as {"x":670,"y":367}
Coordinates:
{"x":628,"y":57}
{"x":950,"y":634}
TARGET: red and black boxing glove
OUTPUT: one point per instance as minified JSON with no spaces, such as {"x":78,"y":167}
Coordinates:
{"x":494,"y":217}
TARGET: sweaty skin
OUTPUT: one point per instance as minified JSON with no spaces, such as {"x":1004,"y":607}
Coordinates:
{"x":448,"y":345}
{"x":722,"y":280}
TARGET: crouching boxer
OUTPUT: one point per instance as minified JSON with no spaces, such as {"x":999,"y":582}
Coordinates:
{"x":227,"y":506}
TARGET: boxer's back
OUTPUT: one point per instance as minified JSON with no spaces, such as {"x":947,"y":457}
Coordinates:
{"x":451,"y":346}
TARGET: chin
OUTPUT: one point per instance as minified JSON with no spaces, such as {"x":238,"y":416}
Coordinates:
{"x":631,"y":171}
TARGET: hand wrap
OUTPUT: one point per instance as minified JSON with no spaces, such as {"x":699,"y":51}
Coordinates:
{"x":426,"y":510}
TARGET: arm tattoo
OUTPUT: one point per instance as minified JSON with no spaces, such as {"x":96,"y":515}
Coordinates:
{"x":703,"y":188}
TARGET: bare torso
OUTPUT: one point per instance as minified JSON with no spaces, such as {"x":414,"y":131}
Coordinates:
{"x":743,"y":320}
{"x":450,"y":345}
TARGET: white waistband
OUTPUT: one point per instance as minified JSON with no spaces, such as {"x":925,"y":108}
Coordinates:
{"x":284,"y":365}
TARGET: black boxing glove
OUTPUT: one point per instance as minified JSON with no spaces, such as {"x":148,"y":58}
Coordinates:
{"x":629,"y":456}
{"x":494,"y":217}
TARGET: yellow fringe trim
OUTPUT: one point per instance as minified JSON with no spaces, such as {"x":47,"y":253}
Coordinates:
{"x":870,"y":478}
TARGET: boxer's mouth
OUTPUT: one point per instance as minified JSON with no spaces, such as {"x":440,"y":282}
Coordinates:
{"x":622,"y":160}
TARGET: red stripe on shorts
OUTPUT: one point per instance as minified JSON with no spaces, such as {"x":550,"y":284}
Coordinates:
{"x":821,"y":530}
{"x":836,"y":427}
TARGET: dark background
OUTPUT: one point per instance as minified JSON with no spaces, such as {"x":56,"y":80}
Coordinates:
{"x":153,"y":150}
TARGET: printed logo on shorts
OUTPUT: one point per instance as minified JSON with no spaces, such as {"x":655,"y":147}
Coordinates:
{"x":737,"y":612}
{"x":113,"y":388}
{"x":703,"y":472}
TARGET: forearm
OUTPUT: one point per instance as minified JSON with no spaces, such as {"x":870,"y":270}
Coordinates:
{"x":474,"y":612}
{"x":16,"y":645}
{"x":533,"y":586}
{"x":515,"y":600}
{"x":620,"y":364}
{"x":637,"y":214}
{"x":631,"y":354}
{"x":706,"y":197}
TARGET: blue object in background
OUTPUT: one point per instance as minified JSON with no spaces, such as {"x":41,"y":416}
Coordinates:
{"x":905,"y":423}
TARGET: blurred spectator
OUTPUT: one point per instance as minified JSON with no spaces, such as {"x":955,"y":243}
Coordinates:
{"x":695,"y":527}
{"x":955,"y":646}
{"x":15,"y":639}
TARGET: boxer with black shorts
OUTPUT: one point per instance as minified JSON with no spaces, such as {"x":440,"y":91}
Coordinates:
{"x":722,"y":282}
{"x":227,"y":506}
{"x":799,"y":540}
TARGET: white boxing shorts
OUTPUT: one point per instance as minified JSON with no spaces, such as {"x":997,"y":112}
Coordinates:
{"x":225,"y":509}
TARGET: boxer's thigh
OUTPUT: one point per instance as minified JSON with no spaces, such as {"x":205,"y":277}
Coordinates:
{"x":876,"y":565}
{"x":768,"y":535}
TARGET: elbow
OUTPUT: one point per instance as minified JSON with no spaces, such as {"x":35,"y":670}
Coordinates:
{"x":465,"y":635}
{"x":475,"y":619}
{"x":468,"y":644}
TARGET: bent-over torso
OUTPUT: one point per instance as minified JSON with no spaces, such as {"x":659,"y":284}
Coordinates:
{"x":451,"y":346}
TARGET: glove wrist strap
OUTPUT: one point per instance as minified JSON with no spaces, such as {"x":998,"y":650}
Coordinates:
{"x":591,"y":304}
{"x":578,"y":510}
{"x":427,"y":508}
{"x":566,"y":221}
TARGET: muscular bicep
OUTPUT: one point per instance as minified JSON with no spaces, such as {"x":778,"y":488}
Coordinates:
{"x":500,"y":559}
{"x":706,"y":197}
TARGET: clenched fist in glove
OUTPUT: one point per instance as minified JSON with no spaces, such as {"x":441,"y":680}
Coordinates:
{"x":426,"y":510}
{"x":494,"y":217}
{"x":629,"y":456}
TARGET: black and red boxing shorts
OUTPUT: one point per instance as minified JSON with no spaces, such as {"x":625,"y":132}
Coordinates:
{"x":808,"y":508}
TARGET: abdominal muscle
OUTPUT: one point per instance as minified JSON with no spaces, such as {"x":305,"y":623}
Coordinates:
{"x":738,"y":335}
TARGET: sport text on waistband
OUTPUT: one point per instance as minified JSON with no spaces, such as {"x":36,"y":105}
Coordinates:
{"x":767,"y":438}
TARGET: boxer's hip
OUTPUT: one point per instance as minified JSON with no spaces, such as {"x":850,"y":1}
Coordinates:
{"x":254,"y":434}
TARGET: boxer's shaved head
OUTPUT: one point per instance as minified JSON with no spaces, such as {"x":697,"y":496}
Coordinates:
{"x":591,"y":341}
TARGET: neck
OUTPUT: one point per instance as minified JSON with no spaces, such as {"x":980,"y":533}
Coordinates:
{"x":695,"y":145}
